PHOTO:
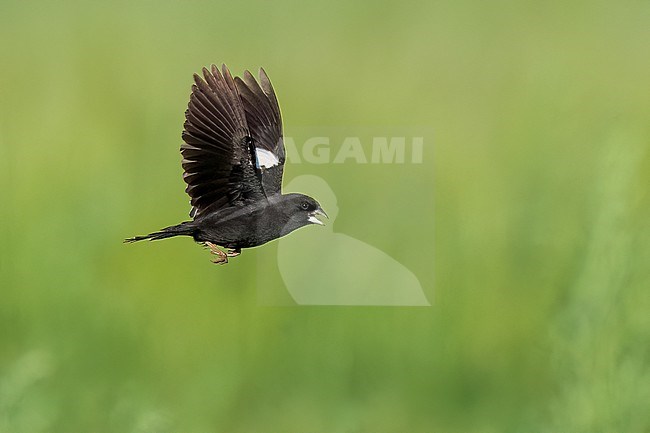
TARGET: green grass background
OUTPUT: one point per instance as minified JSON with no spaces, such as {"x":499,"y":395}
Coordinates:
{"x":533,"y":253}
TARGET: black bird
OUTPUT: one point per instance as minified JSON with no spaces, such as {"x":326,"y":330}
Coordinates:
{"x":233,"y":159}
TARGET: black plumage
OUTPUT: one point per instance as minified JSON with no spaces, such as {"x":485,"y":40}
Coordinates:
{"x":233,"y":160}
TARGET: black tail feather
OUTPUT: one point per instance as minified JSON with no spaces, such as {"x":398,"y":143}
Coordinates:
{"x":182,"y":229}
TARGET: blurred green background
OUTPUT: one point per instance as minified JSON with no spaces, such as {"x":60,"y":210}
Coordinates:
{"x":532,"y":255}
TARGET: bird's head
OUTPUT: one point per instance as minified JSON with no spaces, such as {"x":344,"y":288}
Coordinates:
{"x":301,"y":210}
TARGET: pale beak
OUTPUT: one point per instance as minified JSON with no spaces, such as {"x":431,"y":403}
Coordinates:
{"x":318,"y":212}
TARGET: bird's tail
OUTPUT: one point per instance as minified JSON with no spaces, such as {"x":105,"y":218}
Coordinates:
{"x":183,"y":229}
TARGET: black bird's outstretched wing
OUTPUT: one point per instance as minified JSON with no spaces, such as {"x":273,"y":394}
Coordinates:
{"x":265,"y":124}
{"x":219,"y":157}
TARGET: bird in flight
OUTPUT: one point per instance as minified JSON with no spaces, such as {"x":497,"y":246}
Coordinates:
{"x":233,"y":160}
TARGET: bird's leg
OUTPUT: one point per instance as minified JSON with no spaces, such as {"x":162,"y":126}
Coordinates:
{"x":234,"y":252}
{"x":222,"y":258}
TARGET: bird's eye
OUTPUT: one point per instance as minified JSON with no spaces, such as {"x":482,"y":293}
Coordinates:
{"x":304,"y":205}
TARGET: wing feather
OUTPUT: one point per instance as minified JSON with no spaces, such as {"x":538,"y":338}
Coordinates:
{"x":217,"y":163}
{"x":265,"y":124}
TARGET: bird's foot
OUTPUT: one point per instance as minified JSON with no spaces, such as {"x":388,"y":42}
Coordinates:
{"x":234,"y":252}
{"x":222,"y":257}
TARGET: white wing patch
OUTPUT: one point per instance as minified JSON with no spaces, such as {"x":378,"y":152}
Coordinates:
{"x":265,"y":158}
